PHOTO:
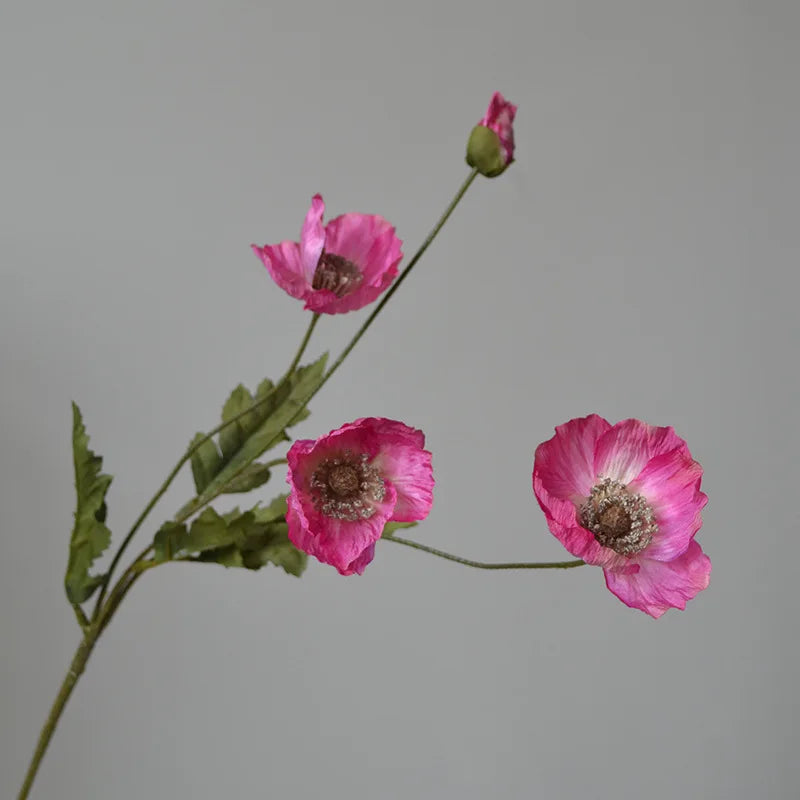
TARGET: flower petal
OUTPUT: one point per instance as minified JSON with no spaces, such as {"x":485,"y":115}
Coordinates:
{"x":407,"y":466}
{"x":565,"y":463}
{"x":360,"y":564}
{"x":369,"y":242}
{"x":660,"y":585}
{"x":283,"y":264}
{"x":623,"y":451}
{"x":336,"y":541}
{"x":312,"y":238}
{"x":671,"y":484}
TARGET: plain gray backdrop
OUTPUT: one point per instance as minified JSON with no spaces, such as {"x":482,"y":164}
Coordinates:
{"x":639,"y":259}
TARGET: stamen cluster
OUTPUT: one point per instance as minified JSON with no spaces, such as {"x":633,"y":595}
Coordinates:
{"x":344,"y":487}
{"x":618,"y":518}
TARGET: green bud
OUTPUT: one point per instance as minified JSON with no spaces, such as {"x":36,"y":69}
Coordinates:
{"x":485,"y":153}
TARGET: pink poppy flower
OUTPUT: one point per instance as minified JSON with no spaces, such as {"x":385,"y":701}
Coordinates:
{"x":491,"y":144}
{"x":347,"y":485}
{"x":626,"y":498}
{"x":338,"y":267}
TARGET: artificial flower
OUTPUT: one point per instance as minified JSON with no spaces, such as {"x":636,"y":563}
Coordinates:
{"x":627,"y":498}
{"x":347,"y":485}
{"x":338,"y":267}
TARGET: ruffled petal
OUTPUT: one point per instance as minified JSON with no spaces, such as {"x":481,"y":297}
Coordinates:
{"x":565,"y":463}
{"x":336,"y":541}
{"x":407,"y":466}
{"x":660,"y":585}
{"x":671,"y":484}
{"x":623,"y":451}
{"x":369,"y":242}
{"x":358,"y":566}
{"x":283,"y":264}
{"x":312,"y":238}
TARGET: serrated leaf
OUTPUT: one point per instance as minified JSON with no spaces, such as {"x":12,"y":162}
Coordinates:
{"x":260,"y":537}
{"x":253,"y":476}
{"x":227,"y":463}
{"x":390,"y":527}
{"x":206,"y":462}
{"x":209,"y":531}
{"x":285,"y":407}
{"x":90,"y":536}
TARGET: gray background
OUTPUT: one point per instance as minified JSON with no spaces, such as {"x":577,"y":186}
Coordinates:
{"x":639,"y":259}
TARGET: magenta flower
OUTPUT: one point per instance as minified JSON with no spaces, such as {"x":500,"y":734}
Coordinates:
{"x":338,"y":267}
{"x":490,"y":148}
{"x":347,"y":485}
{"x":626,"y":498}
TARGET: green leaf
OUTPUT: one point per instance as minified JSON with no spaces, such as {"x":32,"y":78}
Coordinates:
{"x":285,"y":407}
{"x":226,"y":466}
{"x":206,"y":461}
{"x":390,"y":527}
{"x":253,"y":476}
{"x":208,"y":532}
{"x":90,"y":536}
{"x":250,"y":539}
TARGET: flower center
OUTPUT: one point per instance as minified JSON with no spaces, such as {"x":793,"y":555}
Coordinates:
{"x":346,"y":486}
{"x":336,"y":274}
{"x":618,"y":518}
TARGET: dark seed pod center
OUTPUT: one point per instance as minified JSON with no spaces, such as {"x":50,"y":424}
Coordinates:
{"x":614,"y":521}
{"x":336,"y":274}
{"x":347,"y":487}
{"x":619,"y":519}
{"x":343,"y":480}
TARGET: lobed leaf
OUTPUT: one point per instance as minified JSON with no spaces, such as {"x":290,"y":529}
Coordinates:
{"x":90,"y":536}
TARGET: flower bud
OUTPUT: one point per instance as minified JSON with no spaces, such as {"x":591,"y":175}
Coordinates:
{"x":490,"y":148}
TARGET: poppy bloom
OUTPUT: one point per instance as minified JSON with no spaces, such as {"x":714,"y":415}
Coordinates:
{"x":338,"y":267}
{"x":347,"y":485}
{"x":626,"y":498}
{"x":491,"y":144}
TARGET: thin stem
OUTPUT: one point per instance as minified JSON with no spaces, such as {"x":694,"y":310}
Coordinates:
{"x":70,"y":679}
{"x":403,"y":275}
{"x":193,"y":506}
{"x":482,"y":564}
{"x":303,"y":345}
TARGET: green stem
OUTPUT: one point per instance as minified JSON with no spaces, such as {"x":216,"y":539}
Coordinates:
{"x":70,"y":679}
{"x":303,"y":345}
{"x":194,"y":505}
{"x":396,"y":285}
{"x":482,"y":564}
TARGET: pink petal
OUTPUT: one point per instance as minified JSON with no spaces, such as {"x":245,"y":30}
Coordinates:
{"x":283,"y":264}
{"x":369,"y":242}
{"x":335,"y":541}
{"x":661,"y":585}
{"x":360,"y":564}
{"x":623,"y":451}
{"x":565,"y":463}
{"x":499,"y":117}
{"x":407,"y":466}
{"x":671,"y":484}
{"x":312,"y":239}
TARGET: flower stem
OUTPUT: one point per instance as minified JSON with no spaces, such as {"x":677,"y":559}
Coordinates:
{"x":91,"y":635}
{"x":70,"y":679}
{"x":303,"y":345}
{"x":482,"y":564}
{"x":396,"y":285}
